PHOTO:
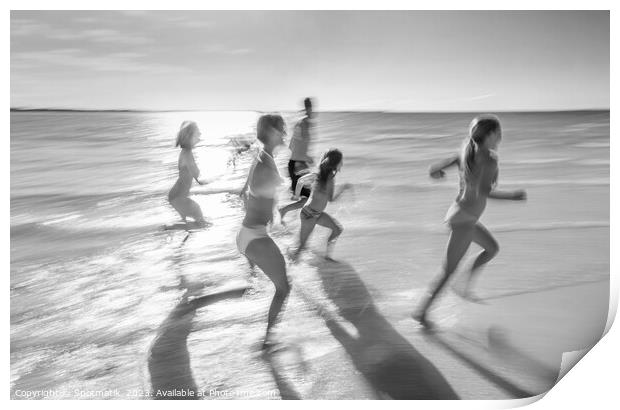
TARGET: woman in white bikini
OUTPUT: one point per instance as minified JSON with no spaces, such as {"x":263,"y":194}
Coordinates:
{"x":258,"y":194}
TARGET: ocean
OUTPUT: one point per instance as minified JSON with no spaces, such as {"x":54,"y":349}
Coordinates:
{"x":97,"y":286}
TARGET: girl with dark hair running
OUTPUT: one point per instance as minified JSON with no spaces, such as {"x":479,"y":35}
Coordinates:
{"x":258,"y":193}
{"x":478,"y":168}
{"x":323,"y":191}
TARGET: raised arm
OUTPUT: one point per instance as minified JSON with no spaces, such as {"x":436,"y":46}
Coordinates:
{"x":516,"y":195}
{"x":436,"y":170}
{"x":340,"y":190}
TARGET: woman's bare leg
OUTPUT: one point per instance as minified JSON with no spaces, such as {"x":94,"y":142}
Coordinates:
{"x":266,"y":255}
{"x":490,"y":248}
{"x":460,"y":239}
{"x":306,"y":228}
{"x":187,"y":207}
{"x":330,"y":222}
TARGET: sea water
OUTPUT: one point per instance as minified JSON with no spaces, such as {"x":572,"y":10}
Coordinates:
{"x":95,"y":280}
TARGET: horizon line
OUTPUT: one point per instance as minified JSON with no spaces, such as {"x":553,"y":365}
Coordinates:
{"x":122,"y":110}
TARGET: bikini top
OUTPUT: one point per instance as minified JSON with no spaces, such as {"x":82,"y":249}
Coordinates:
{"x":259,"y":207}
{"x":267,"y":192}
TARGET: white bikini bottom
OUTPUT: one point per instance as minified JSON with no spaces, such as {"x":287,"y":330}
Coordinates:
{"x":247,"y":235}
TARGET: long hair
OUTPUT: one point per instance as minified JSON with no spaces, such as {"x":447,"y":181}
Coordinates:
{"x":185,"y":133}
{"x":479,"y":128}
{"x":329,"y":164}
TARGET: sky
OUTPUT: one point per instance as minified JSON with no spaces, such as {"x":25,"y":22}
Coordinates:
{"x":346,"y":60}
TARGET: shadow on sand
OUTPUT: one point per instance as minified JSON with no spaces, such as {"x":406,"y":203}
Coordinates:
{"x":488,"y":374}
{"x":169,"y":363}
{"x":387,"y":360}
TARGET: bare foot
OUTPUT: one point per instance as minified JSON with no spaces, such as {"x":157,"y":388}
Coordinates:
{"x":330,"y":251}
{"x":421,"y":318}
{"x":268,"y":344}
{"x":202,"y":224}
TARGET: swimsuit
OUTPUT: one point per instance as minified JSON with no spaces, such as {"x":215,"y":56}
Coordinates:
{"x":308,"y":213}
{"x":298,"y":165}
{"x":473,"y":190}
{"x":296,"y":169}
{"x":256,"y":219}
{"x":247,"y":235}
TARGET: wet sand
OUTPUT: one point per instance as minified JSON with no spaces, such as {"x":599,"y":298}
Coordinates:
{"x":509,"y":346}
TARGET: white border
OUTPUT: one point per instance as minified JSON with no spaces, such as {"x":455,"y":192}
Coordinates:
{"x":589,"y":384}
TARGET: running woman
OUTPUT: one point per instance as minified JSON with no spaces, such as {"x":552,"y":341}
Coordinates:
{"x":478,"y":171}
{"x":259,"y":192}
{"x":187,"y":138}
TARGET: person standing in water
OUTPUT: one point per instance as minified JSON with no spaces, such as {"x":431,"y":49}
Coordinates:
{"x":478,"y":171}
{"x":300,"y":161}
{"x":323,"y":191}
{"x":259,"y":196}
{"x":187,"y":138}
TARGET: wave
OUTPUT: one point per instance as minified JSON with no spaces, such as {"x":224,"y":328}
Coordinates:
{"x":62,"y":198}
{"x":604,"y":144}
{"x":594,"y":162}
{"x":552,"y":182}
{"x":450,"y":185}
{"x":536,"y":161}
{"x":550,"y":226}
{"x":385,"y":137}
{"x":535,"y":226}
{"x":125,"y":197}
{"x":46,"y":230}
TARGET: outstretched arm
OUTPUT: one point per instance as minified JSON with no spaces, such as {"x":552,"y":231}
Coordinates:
{"x":436,"y":170}
{"x":340,"y":191}
{"x":488,"y":184}
{"x":517,"y":195}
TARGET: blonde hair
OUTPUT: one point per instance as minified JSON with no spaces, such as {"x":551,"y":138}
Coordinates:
{"x":185,"y":134}
{"x":479,"y":128}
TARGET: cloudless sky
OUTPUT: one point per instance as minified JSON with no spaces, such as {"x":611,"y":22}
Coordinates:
{"x":348,"y":60}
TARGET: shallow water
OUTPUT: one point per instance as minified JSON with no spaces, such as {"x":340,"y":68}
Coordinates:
{"x":94,"y":277}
